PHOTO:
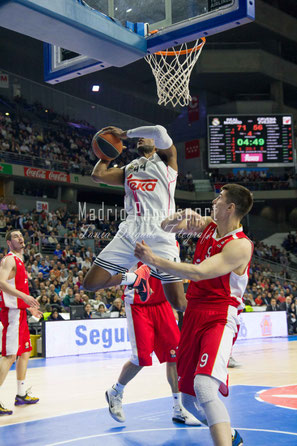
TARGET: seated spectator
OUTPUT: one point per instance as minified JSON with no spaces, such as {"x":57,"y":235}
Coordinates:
{"x":68,"y":298}
{"x":273,"y":306}
{"x":101,"y":311}
{"x":43,"y":301}
{"x":55,"y":302}
{"x":63,"y":291}
{"x":55,"y":271}
{"x":35,"y":288}
{"x":86,"y":263}
{"x":44,"y":269}
{"x":58,"y":251}
{"x":35,"y":269}
{"x":88,"y":312}
{"x":52,"y":240}
{"x":85,"y":298}
{"x":97,"y":301}
{"x":118,"y":305}
{"x":50,"y":290}
{"x":70,"y":259}
{"x":80,"y":280}
{"x":258,"y":300}
{"x":281,"y":296}
{"x":109,"y":297}
{"x":57,"y":286}
{"x":64,"y":274}
{"x":70,"y":278}
{"x":77,"y":300}
{"x":47,"y":312}
{"x":55,"y":316}
{"x":286,"y":305}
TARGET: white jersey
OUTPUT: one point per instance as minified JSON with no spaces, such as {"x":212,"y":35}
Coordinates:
{"x":149,"y":188}
{"x":149,"y":199}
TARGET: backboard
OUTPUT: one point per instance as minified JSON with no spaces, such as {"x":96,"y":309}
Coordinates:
{"x":178,"y":21}
{"x":106,"y":33}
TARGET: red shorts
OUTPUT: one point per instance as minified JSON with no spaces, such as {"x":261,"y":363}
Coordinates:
{"x":206,"y":341}
{"x":15,"y":335}
{"x":152,"y":328}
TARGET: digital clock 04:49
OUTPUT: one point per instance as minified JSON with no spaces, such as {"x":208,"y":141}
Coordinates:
{"x":249,"y":142}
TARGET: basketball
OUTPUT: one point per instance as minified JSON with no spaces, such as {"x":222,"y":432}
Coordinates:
{"x":107,"y":146}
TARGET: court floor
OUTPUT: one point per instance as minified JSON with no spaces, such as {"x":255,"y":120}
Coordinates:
{"x":72,"y":408}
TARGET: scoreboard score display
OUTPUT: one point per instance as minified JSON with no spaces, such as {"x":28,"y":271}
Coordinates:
{"x":250,"y":140}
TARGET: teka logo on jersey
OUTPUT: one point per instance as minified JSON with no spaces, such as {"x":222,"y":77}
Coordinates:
{"x":144,"y":185}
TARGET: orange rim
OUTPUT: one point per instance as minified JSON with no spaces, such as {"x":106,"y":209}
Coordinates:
{"x":182,"y":52}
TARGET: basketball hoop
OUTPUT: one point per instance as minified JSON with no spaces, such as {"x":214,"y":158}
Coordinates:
{"x":172,"y":70}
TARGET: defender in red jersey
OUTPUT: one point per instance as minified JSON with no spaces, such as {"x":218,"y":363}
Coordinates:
{"x":152,"y":328}
{"x":219,"y":276}
{"x":14,"y":300}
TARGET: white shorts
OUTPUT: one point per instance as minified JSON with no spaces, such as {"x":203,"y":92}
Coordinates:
{"x":118,"y":256}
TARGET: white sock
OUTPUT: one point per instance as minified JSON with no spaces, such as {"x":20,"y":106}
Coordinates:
{"x":21,"y":388}
{"x":128,"y":278}
{"x":119,"y":387}
{"x":176,"y":399}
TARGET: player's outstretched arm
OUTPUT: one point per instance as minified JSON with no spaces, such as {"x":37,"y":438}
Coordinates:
{"x":234,"y":256}
{"x":163,"y":142}
{"x":186,"y":222}
{"x":7,"y":267}
{"x":113,"y":176}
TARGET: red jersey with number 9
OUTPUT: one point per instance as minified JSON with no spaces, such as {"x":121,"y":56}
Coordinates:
{"x":20,"y":282}
{"x":224,"y":290}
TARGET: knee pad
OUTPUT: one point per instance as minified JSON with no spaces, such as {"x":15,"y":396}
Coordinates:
{"x":206,"y":390}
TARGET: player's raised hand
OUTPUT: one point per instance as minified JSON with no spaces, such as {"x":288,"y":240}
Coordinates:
{"x":194,"y":221}
{"x":31,"y":301}
{"x":144,"y":253}
{"x":116,"y":131}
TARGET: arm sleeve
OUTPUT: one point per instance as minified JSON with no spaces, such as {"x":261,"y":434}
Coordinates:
{"x":156,"y":132}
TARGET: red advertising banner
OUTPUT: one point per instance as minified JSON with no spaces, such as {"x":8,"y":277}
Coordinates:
{"x":193,"y":109}
{"x":192,"y":149}
{"x":42,"y":174}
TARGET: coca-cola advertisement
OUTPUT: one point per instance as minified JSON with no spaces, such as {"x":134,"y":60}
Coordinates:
{"x":42,"y":174}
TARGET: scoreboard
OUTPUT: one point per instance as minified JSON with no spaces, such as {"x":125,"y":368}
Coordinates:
{"x":250,"y":140}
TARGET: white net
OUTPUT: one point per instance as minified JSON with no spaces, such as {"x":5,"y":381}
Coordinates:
{"x":172,"y":70}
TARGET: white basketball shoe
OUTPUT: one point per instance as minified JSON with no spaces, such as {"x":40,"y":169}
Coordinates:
{"x":114,"y":399}
{"x":181,"y":415}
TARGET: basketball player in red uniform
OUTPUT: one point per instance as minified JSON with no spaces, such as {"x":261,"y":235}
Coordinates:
{"x":14,"y":300}
{"x":219,"y":276}
{"x":152,"y":328}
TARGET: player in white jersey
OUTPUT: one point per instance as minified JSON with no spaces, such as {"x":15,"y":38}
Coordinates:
{"x":149,"y":198}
